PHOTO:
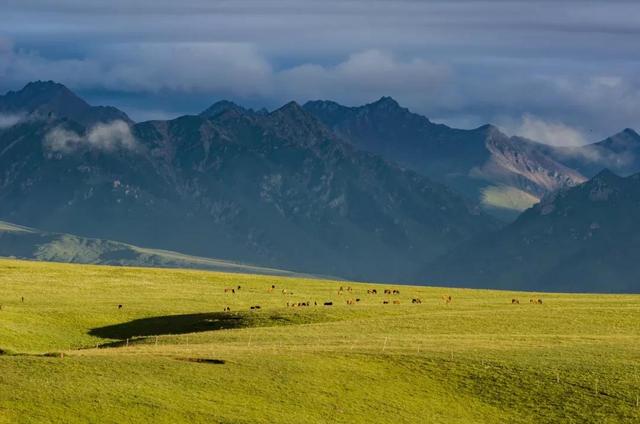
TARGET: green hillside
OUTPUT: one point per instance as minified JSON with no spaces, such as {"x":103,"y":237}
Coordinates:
{"x":480,"y":358}
{"x":27,"y":243}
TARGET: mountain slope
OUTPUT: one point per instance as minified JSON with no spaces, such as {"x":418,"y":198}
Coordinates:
{"x":474,"y":162}
{"x":27,"y":243}
{"x":586,"y":238}
{"x":277,"y":189}
{"x":620,"y":153}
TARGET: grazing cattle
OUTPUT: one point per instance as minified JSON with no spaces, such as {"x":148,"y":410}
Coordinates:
{"x":515,"y":302}
{"x":357,"y":300}
{"x":328,"y":303}
{"x":536,"y":301}
{"x":396,"y":291}
{"x":372,"y":291}
{"x":22,"y":299}
{"x":385,"y":302}
{"x":340,"y":291}
{"x":387,"y":291}
{"x":447,"y":298}
{"x":239,"y":287}
{"x":396,"y":302}
{"x":315,"y":303}
{"x":229,"y":289}
{"x":351,"y":302}
{"x":416,"y":300}
{"x":349,"y":289}
{"x":227,"y":309}
{"x":255,"y":307}
{"x":119,"y":306}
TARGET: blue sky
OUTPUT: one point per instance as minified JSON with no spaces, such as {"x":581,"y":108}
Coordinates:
{"x":564,"y":72}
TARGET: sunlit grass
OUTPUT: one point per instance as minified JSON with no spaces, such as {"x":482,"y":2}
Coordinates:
{"x":575,"y":358}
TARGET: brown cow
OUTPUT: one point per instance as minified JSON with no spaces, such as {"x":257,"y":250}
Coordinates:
{"x":536,"y":301}
{"x":396,"y":302}
{"x":416,"y":300}
{"x":387,"y":291}
{"x":396,"y":291}
{"x":515,"y":302}
{"x":447,"y":298}
{"x":372,"y":291}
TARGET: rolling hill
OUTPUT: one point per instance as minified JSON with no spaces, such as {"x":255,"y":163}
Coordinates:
{"x":582,"y":239}
{"x":27,"y":243}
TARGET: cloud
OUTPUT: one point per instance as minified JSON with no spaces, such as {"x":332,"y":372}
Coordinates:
{"x":551,"y":133}
{"x":188,"y":67}
{"x":9,"y":120}
{"x":108,"y":137}
{"x":364,"y":75}
{"x":461,"y":62}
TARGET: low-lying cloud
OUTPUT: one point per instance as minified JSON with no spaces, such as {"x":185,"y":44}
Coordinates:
{"x":109,"y":137}
{"x":9,"y":120}
{"x":549,"y":132}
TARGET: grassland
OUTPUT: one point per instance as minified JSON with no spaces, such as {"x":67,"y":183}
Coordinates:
{"x":171,"y":354}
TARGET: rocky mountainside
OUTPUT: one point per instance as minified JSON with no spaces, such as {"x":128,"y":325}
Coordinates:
{"x":275,"y":189}
{"x":585,"y":238}
{"x":503,"y":174}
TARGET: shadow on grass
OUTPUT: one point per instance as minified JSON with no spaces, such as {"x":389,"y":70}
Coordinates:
{"x":172,"y":324}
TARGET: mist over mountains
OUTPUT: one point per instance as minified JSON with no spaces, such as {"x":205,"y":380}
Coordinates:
{"x":373,"y":192}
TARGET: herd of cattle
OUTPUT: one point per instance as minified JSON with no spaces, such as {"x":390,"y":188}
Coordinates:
{"x":446,"y":298}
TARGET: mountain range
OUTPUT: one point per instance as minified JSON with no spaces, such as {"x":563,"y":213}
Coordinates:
{"x":505,"y":175}
{"x":274,"y":189}
{"x":373,"y":192}
{"x":581,"y":239}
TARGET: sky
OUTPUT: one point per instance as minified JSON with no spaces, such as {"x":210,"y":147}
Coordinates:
{"x":561,"y":72}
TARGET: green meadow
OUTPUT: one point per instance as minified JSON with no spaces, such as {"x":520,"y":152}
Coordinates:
{"x":182,"y":349}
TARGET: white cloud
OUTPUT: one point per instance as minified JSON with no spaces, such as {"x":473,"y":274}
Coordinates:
{"x":111,"y":136}
{"x":549,"y":132}
{"x":364,"y":75}
{"x":108,"y":137}
{"x":9,"y":120}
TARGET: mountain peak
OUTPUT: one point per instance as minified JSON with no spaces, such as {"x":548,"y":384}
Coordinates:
{"x":606,"y":173}
{"x":221,"y":106}
{"x":386,"y":102}
{"x":292,"y":108}
{"x":38,"y":93}
{"x":54,"y":100}
{"x":631,"y":133}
